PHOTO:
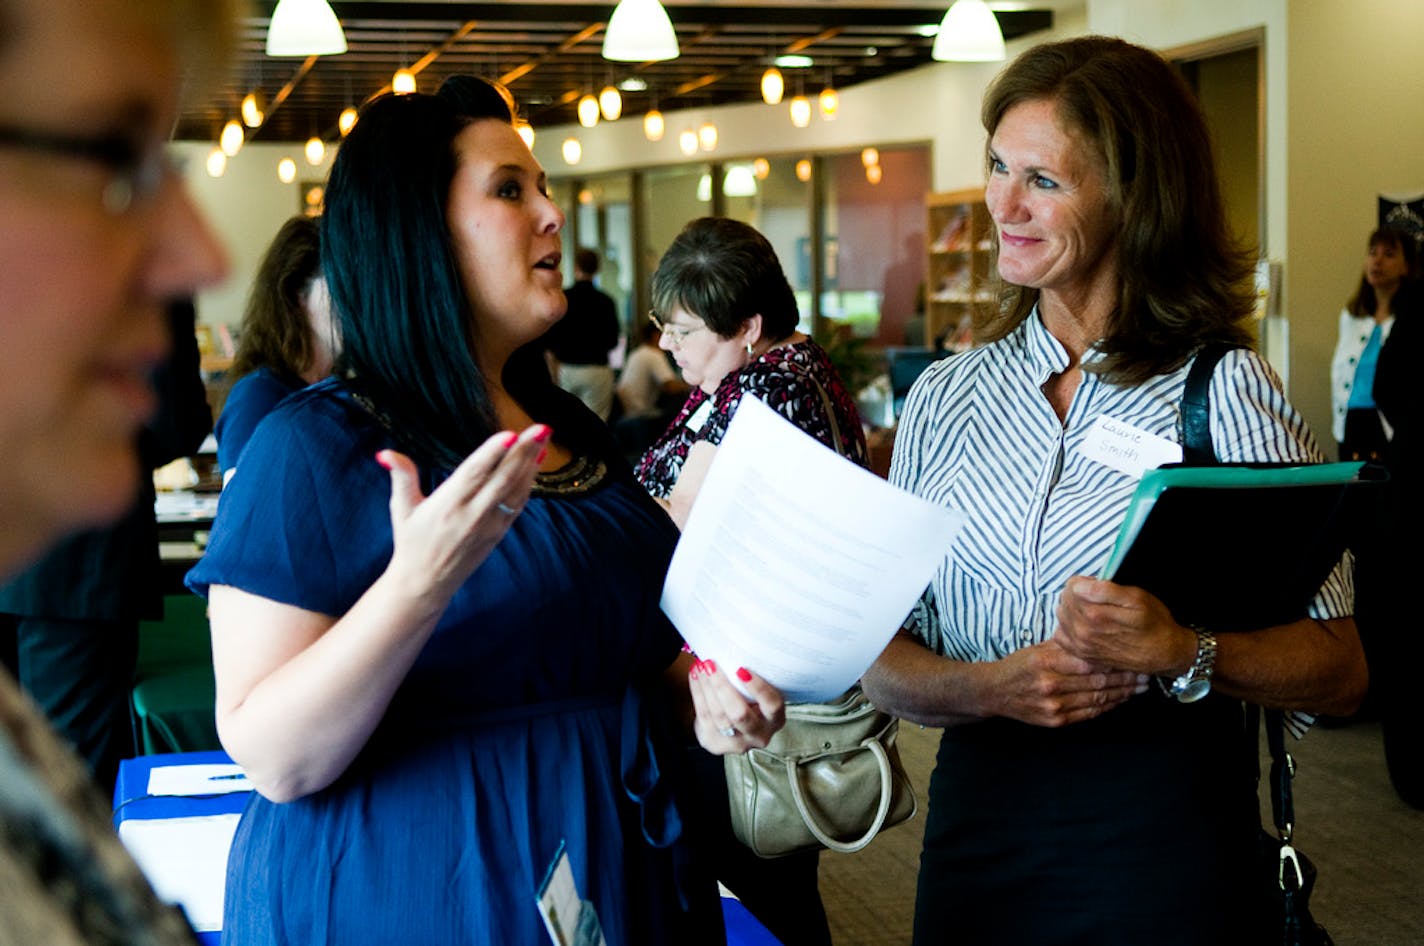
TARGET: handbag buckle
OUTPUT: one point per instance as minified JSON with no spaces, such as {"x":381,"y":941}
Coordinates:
{"x":1288,"y":855}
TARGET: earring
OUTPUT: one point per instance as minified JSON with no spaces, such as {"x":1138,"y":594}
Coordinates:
{"x":749,"y":349}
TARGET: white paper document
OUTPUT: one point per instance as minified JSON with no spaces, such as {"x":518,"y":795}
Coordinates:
{"x":185,"y":859}
{"x":796,"y":563}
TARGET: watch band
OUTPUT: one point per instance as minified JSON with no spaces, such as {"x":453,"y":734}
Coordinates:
{"x":1196,"y":682}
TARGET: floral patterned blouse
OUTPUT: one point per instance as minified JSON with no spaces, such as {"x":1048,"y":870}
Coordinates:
{"x":790,"y":379}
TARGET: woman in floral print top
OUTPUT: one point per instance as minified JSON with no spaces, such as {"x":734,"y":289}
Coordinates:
{"x":728,"y":317}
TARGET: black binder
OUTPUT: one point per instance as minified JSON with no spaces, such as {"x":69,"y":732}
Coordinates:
{"x":1237,"y":548}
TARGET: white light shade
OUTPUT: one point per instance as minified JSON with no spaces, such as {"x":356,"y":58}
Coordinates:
{"x":653,"y":125}
{"x":639,"y":31}
{"x":772,"y":86}
{"x":286,"y":170}
{"x":588,"y":111}
{"x":231,"y":139}
{"x":687,"y":142}
{"x":347,"y":120}
{"x":304,"y":28}
{"x":969,"y":32}
{"x":217,"y":162}
{"x":251,"y":110}
{"x":830,"y":104}
{"x":572,"y":151}
{"x":707,"y":136}
{"x":803,"y":170}
{"x":526,"y":131}
{"x":869,"y":156}
{"x":739,"y":181}
{"x":800,"y":111}
{"x":610,"y":103}
{"x":316,"y":150}
{"x":403,"y":82}
{"x":704,"y":188}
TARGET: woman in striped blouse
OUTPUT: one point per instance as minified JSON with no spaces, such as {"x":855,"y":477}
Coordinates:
{"x":1073,"y":800}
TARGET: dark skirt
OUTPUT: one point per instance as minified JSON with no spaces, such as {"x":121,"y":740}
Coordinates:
{"x":1136,"y":828}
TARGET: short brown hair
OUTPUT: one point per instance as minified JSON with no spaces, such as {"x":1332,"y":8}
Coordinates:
{"x":724,"y":272}
{"x":1183,"y":279}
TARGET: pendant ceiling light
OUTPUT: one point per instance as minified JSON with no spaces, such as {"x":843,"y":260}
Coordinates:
{"x":588,"y":111}
{"x":304,"y":28}
{"x":347,"y":120}
{"x":969,"y":32}
{"x":800,"y":111}
{"x":639,"y":31}
{"x":572,"y":150}
{"x":315,"y":150}
{"x":773,"y":86}
{"x":653,"y":125}
{"x":286,"y":170}
{"x":231,"y":138}
{"x":252,"y":114}
{"x":610,"y":103}
{"x":403,"y":82}
{"x":830,"y":103}
{"x":526,"y":131}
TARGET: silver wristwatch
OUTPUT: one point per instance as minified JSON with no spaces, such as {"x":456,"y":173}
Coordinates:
{"x":1196,"y":682}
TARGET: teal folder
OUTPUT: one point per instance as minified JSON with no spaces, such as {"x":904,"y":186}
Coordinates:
{"x":1237,"y":548}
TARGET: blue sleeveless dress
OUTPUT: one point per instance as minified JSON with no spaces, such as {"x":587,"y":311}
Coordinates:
{"x":529,"y":719}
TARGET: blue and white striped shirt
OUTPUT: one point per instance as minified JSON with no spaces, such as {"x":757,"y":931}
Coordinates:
{"x":979,"y":435}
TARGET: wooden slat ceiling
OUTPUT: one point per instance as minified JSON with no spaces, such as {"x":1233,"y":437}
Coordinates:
{"x":550,"y":54}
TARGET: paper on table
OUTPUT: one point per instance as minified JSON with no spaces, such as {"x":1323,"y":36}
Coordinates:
{"x":185,"y":859}
{"x":219,"y":778}
{"x":795,"y":562}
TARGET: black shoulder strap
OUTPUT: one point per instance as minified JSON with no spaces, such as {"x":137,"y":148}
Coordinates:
{"x":1197,"y":448}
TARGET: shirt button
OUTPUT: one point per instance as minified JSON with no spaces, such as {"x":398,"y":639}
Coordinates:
{"x":1026,"y":635}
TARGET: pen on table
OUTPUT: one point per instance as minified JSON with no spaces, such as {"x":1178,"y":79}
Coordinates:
{"x":226,"y":778}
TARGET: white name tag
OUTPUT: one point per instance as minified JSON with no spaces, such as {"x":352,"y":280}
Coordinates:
{"x":698,"y":418}
{"x":1128,"y":449}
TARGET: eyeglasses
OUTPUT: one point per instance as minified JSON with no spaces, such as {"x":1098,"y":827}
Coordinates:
{"x":675,"y":335}
{"x":136,"y":173}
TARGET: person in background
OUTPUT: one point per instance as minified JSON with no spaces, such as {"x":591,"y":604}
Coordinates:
{"x":97,"y":238}
{"x":72,"y":618}
{"x":645,"y":385}
{"x":580,"y":342}
{"x":727,"y":313}
{"x":288,"y":338}
{"x":1074,"y":799}
{"x":1365,"y":325}
{"x":433,"y":586}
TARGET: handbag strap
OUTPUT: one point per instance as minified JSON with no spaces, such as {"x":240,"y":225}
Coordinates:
{"x":830,"y":414}
{"x":1197,"y":448}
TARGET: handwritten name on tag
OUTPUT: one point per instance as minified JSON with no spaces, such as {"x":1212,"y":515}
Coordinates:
{"x":1128,"y":449}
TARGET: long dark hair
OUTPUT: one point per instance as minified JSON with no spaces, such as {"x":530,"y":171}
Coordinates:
{"x":1364,"y":303}
{"x":276,"y":330}
{"x":1184,"y":280}
{"x":395,"y":282}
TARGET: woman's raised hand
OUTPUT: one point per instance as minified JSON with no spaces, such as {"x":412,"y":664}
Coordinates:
{"x":727,"y":722}
{"x":442,"y":538}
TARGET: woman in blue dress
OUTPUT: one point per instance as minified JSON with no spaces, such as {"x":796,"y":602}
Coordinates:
{"x":438,"y":645}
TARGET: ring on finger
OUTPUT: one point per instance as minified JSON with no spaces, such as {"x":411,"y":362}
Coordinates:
{"x":729,"y":732}
{"x":507,"y":509}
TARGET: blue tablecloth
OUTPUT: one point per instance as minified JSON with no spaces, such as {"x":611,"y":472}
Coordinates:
{"x":131,"y":800}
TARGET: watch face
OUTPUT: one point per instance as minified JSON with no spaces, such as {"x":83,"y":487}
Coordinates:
{"x":1194,"y":690}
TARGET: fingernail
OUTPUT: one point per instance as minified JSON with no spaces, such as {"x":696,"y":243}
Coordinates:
{"x":744,"y":675}
{"x":694,"y":669}
{"x":544,"y":434}
{"x":509,"y":440}
{"x":686,"y":648}
{"x":542,"y":454}
{"x":384,"y":459}
{"x":711,"y":667}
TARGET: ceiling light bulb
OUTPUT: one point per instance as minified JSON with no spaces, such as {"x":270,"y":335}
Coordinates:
{"x":707,"y":136}
{"x":217,"y":162}
{"x":639,"y":31}
{"x":316,"y":150}
{"x":610,"y":103}
{"x":869,"y":156}
{"x":803,"y":170}
{"x":232,"y":137}
{"x":969,"y":32}
{"x":873,"y":173}
{"x":286,"y":170}
{"x":653,"y":125}
{"x":830,"y":103}
{"x":800,"y":111}
{"x":588,"y":111}
{"x":761,"y":167}
{"x":304,"y":28}
{"x":347,"y":120}
{"x":687,"y":142}
{"x":403,"y":82}
{"x":772,"y":86}
{"x":572,"y":151}
{"x":252,"y":110}
{"x":739,"y":181}
{"x":526,"y":131}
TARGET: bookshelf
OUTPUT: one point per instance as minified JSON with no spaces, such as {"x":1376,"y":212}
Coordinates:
{"x":957,"y":284}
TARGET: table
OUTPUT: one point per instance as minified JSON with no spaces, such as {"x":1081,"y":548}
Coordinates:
{"x":195,"y":816}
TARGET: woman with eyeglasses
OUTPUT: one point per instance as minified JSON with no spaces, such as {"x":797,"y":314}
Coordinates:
{"x":434,"y":584}
{"x":98,"y":238}
{"x":728,"y":316}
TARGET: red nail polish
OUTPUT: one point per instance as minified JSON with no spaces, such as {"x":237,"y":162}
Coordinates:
{"x":744,"y":675}
{"x":694,"y":669}
{"x":542,"y":454}
{"x":384,"y":460}
{"x":711,"y":666}
{"x":686,"y":648}
{"x":544,"y":434}
{"x":509,"y":440}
